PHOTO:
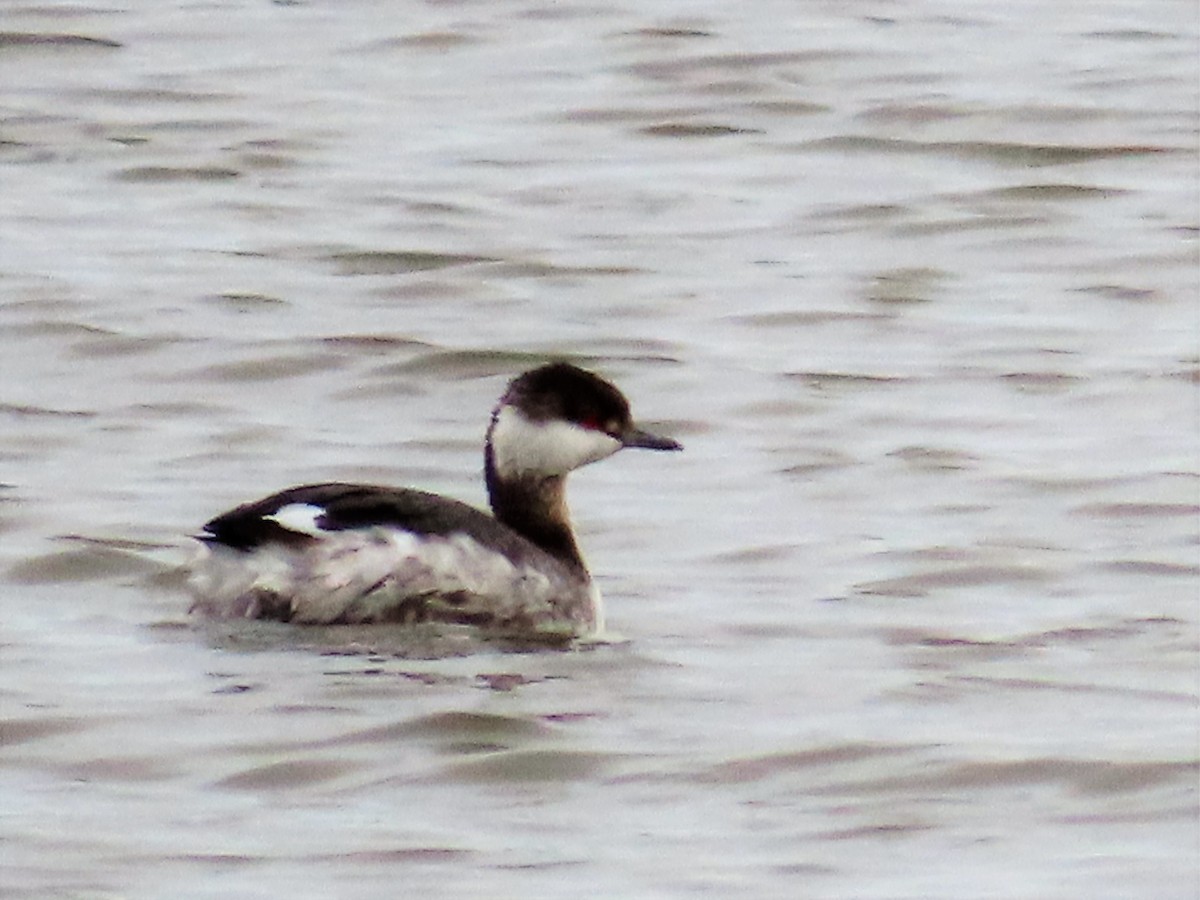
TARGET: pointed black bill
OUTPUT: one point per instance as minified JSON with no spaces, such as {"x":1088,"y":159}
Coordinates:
{"x":635,"y":437}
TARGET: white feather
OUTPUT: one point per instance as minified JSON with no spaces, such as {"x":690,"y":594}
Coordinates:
{"x":299,"y":517}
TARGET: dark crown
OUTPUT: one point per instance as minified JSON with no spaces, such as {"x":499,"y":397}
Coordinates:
{"x":563,"y":391}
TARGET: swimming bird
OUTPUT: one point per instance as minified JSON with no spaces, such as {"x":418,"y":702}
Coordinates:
{"x":339,"y":553}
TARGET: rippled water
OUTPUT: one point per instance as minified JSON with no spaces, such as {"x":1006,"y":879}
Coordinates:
{"x":915,"y":615}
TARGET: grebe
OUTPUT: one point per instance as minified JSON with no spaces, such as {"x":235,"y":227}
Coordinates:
{"x":354,"y":554}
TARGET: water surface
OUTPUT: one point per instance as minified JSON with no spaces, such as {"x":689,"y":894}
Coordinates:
{"x":915,"y":615}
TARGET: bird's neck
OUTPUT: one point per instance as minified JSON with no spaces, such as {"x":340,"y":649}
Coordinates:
{"x":536,"y":508}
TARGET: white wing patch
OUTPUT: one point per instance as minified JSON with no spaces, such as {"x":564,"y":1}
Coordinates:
{"x":299,"y":517}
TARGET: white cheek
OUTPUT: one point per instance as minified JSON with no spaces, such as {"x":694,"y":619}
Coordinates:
{"x":522,"y":447}
{"x":298,"y":517}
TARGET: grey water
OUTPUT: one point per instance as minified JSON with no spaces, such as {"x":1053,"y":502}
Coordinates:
{"x":915,"y":615}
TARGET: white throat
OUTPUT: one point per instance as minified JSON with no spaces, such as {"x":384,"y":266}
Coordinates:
{"x":521,"y":447}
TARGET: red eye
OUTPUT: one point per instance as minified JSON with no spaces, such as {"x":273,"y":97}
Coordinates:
{"x":591,"y":423}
